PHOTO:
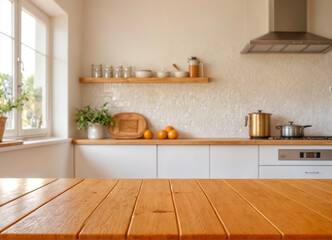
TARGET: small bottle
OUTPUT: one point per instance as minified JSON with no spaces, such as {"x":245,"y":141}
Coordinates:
{"x":108,"y":71}
{"x":193,"y":67}
{"x":118,"y":72}
{"x":127,"y":72}
{"x":96,"y":70}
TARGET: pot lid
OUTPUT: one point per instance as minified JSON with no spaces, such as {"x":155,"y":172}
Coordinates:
{"x":293,"y":125}
{"x":290,"y":123}
{"x":260,"y":112}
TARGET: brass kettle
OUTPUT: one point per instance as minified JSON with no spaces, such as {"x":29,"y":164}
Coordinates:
{"x":259,"y":124}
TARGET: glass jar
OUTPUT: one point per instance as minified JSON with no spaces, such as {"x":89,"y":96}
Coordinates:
{"x":96,"y":70}
{"x":118,"y":72}
{"x":127,"y":72}
{"x":108,"y":71}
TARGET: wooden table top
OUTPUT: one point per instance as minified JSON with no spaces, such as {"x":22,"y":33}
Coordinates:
{"x":206,"y":209}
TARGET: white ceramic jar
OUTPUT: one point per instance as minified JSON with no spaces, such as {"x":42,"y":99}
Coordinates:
{"x":96,"y":131}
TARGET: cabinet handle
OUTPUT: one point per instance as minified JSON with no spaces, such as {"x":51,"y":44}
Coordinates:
{"x":311,"y":172}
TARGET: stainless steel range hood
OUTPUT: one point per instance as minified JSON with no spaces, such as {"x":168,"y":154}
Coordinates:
{"x":288,"y":31}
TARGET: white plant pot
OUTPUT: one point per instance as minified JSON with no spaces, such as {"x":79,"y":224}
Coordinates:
{"x":96,"y":131}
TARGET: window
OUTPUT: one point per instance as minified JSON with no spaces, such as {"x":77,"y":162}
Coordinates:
{"x":24,"y":65}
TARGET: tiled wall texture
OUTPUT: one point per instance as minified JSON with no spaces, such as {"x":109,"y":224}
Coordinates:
{"x":150,"y":34}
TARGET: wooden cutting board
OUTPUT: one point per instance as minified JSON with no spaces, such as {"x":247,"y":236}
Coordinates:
{"x":130,"y":126}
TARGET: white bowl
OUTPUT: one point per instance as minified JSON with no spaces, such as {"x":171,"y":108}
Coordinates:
{"x":143,"y":73}
{"x":181,"y":74}
{"x":163,"y":74}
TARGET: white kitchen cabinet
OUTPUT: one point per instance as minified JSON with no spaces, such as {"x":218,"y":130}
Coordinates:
{"x":115,"y":161}
{"x":183,"y":161}
{"x":274,"y":172}
{"x":273,"y":167}
{"x":38,"y":161}
{"x":234,"y":161}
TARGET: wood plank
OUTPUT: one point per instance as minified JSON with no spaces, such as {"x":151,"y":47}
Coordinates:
{"x":318,"y":184}
{"x":326,"y":181}
{"x":145,"y":80}
{"x":196,"y":217}
{"x":292,"y":219}
{"x":64,"y":216}
{"x":13,"y":188}
{"x":231,"y":207}
{"x":111,"y":219}
{"x":199,"y":141}
{"x":154,"y":214}
{"x":313,"y":202}
{"x":10,"y":143}
{"x":16,"y":210}
{"x":304,"y":186}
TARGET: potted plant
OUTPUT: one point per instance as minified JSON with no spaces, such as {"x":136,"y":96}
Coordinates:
{"x":7,"y":101}
{"x":93,"y":119}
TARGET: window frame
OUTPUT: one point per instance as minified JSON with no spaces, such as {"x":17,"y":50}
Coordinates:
{"x":13,"y":132}
{"x":29,"y":8}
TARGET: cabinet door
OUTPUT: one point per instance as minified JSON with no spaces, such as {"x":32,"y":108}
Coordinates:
{"x":295,"y":172}
{"x":115,"y":161}
{"x":183,"y":161}
{"x":48,"y":161}
{"x":234,"y":161}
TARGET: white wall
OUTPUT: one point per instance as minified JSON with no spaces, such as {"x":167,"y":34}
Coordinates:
{"x":150,"y":34}
{"x":71,"y":92}
{"x":319,"y":13}
{"x":54,"y":160}
{"x":60,"y":76}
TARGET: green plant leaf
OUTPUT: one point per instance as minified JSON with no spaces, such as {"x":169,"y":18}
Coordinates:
{"x":87,"y":116}
{"x":7,"y":101}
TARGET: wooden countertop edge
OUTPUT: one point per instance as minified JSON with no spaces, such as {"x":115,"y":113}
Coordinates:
{"x":199,"y":141}
{"x":8,"y":143}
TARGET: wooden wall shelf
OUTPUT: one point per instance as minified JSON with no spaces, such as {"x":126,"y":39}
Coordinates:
{"x":144,"y":80}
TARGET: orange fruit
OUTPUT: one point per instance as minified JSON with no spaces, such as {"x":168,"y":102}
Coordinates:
{"x":169,"y":128}
{"x":173,"y":134}
{"x":162,"y":134}
{"x":148,"y":134}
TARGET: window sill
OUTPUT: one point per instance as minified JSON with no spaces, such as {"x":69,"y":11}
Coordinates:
{"x":36,"y":143}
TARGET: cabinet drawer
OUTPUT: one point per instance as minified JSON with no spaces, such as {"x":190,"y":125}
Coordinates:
{"x":269,"y":155}
{"x":115,"y":161}
{"x":295,"y":172}
{"x":190,"y":161}
{"x":233,"y":161}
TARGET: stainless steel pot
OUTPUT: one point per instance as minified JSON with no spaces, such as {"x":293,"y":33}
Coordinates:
{"x":259,"y":124}
{"x":292,"y":130}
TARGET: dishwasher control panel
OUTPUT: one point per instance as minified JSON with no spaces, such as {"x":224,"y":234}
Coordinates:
{"x":305,"y":154}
